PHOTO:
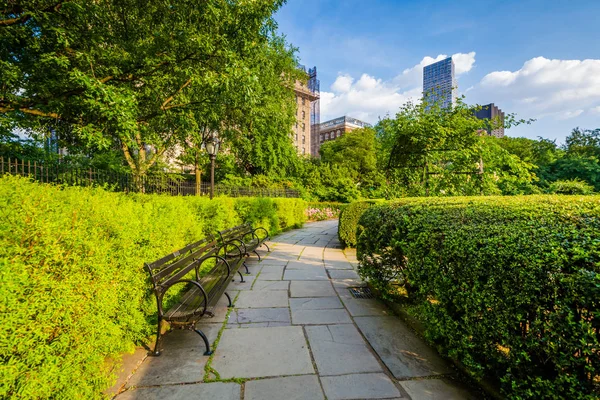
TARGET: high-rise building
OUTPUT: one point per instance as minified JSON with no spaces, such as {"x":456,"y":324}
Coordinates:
{"x":333,"y":129}
{"x":305,"y":132}
{"x":439,"y":84}
{"x":495,"y":118}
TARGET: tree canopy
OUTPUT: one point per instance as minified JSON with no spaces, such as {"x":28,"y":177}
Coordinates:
{"x":146,"y":76}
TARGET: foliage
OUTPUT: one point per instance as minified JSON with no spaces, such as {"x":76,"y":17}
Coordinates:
{"x":349,"y":221}
{"x":146,"y":77}
{"x":432,"y":150}
{"x":574,"y":186}
{"x":510,"y":286}
{"x":74,"y":290}
{"x":322,"y":211}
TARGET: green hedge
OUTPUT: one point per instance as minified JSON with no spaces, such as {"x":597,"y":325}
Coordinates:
{"x":349,"y":221}
{"x":74,"y":291}
{"x":509,"y":286}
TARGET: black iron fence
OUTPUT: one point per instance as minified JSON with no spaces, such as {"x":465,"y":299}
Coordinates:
{"x":62,"y":173}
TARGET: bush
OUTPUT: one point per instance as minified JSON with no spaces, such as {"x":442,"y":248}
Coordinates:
{"x":574,"y":186}
{"x":349,"y":221}
{"x":74,"y":290}
{"x":321,"y":211}
{"x":510,"y":287}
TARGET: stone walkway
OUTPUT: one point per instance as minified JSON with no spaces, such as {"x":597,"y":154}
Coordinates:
{"x":296,"y":333}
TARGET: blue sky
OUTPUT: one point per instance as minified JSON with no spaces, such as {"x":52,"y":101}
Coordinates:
{"x":538,"y":59}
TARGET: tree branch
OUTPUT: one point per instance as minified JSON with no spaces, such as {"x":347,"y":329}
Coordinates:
{"x":170,"y":98}
{"x":26,"y":17}
{"x":30,"y":111}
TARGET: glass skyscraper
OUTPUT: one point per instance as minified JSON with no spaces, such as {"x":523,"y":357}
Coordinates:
{"x":439,"y":84}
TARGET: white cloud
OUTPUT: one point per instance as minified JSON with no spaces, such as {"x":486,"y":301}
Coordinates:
{"x":369,"y":98}
{"x":595,"y":110}
{"x":342,"y":84}
{"x":569,"y":114}
{"x":542,"y":87}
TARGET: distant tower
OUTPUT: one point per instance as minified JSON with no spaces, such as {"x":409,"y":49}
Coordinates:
{"x":439,"y":84}
{"x":494,"y":115}
{"x":305,"y":132}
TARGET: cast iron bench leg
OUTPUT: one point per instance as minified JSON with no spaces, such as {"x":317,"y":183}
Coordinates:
{"x":241,"y":276}
{"x":156,"y":351}
{"x":268,"y":249}
{"x":245,"y":266}
{"x":208,"y":350}
{"x":258,"y":255}
{"x":229,"y":298}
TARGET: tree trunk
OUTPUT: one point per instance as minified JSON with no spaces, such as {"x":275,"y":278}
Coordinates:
{"x":198,"y":175}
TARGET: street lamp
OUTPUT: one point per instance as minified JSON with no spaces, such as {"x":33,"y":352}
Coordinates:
{"x":212,"y":148}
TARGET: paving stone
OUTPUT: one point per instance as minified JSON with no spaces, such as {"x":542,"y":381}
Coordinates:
{"x":434,"y":389}
{"x":311,"y":289}
{"x":183,"y":365}
{"x":359,"y":386}
{"x":250,"y":315}
{"x":273,"y":262}
{"x":262,"y":352}
{"x":404,"y":353}
{"x":340,"y":349}
{"x":257,"y":325}
{"x":262,"y":299}
{"x":365,"y":307}
{"x":185,"y":338}
{"x":304,"y":264}
{"x":305,"y":387}
{"x":315,"y":303}
{"x":217,"y":390}
{"x":347,"y":283}
{"x":308,"y":274}
{"x":271,"y":285}
{"x":338,"y":264}
{"x":129,"y":364}
{"x":319,"y":317}
{"x":342,"y":274}
{"x":237,"y":284}
{"x":271,"y":273}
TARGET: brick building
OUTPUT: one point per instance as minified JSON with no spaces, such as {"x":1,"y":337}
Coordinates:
{"x":305,"y":132}
{"x":331,"y":130}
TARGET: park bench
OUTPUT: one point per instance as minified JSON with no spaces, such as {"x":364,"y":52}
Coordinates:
{"x":196,"y":292}
{"x":245,"y":238}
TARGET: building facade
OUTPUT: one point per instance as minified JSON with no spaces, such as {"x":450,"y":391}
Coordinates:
{"x":333,"y":129}
{"x":494,"y":117}
{"x":305,"y":131}
{"x":439,"y":83}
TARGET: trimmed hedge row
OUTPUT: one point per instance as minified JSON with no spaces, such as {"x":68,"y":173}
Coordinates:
{"x":509,"y":286}
{"x":74,"y":290}
{"x":349,"y":221}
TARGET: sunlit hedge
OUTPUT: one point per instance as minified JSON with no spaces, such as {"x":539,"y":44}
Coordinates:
{"x":74,"y":290}
{"x":508,"y":286}
{"x":349,"y":221}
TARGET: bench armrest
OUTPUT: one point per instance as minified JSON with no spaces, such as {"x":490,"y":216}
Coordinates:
{"x":164,"y":289}
{"x":231,"y":243}
{"x":216,"y":257}
{"x":259,"y":228}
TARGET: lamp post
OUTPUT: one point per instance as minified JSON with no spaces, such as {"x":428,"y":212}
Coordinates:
{"x":212,"y":148}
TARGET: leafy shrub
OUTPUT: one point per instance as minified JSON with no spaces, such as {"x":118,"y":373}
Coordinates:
{"x":321,"y":211}
{"x":509,"y":286}
{"x":574,"y":186}
{"x":349,"y":221}
{"x":74,"y":290}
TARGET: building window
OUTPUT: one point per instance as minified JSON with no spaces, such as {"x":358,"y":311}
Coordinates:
{"x":303,"y":101}
{"x":303,"y":115}
{"x":303,"y":139}
{"x":338,"y":133}
{"x":303,"y":126}
{"x":296,"y":137}
{"x":303,"y":150}
{"x":296,"y":124}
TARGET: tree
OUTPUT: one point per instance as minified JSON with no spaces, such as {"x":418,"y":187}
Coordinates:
{"x":143,"y":76}
{"x":438,"y":150}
